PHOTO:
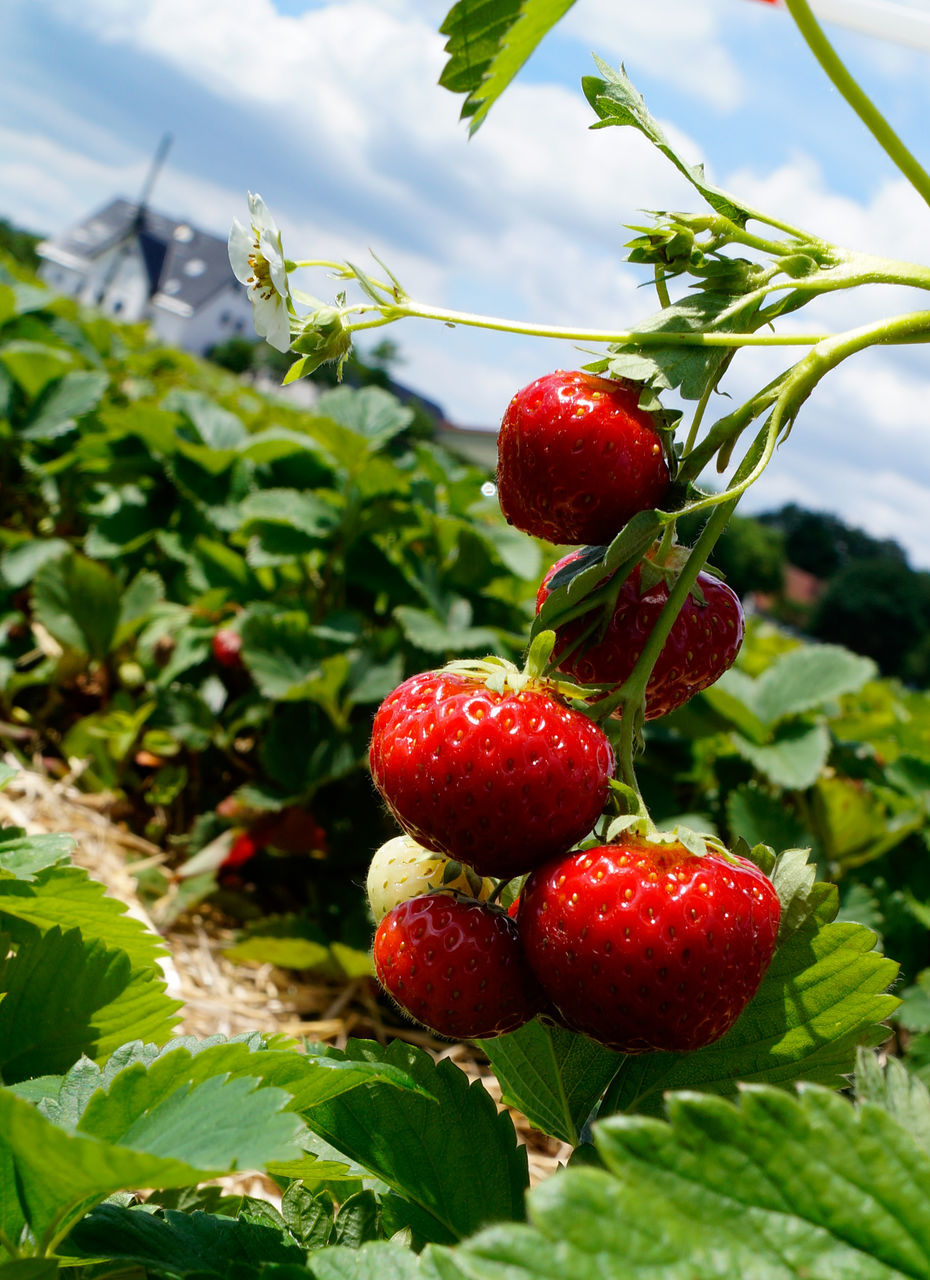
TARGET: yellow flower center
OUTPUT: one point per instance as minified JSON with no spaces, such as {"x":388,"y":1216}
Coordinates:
{"x":260,"y":280}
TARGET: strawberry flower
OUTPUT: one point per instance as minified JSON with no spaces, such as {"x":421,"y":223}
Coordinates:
{"x":257,"y":260}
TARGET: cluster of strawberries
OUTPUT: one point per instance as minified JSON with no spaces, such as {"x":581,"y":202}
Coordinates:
{"x":639,"y":943}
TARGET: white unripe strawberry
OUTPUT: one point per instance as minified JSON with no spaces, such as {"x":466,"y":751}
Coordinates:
{"x":402,"y":869}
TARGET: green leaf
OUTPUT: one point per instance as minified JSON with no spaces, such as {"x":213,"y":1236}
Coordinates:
{"x":488,"y":44}
{"x":147,"y":1073}
{"x":65,"y":403}
{"x":179,"y":1243}
{"x":808,"y":677}
{"x":33,"y":365}
{"x":78,"y":602}
{"x":417,"y":1148}
{"x":67,"y":896}
{"x":617,"y":102}
{"x":688,"y":367}
{"x":23,"y":856}
{"x":302,"y":511}
{"x":779,"y":1187}
{"x":217,"y":1122}
{"x":891,"y":1086}
{"x":453,"y":634}
{"x":733,"y":696}
{"x":48,"y":1022}
{"x":309,"y":1216}
{"x":20,"y":563}
{"x":823,"y":995}
{"x":763,"y":817}
{"x":285,"y":654}
{"x":137,"y":603}
{"x":29,"y":1269}
{"x":50,"y":1178}
{"x":914,"y":1010}
{"x":552,"y":1076}
{"x":377,"y":1261}
{"x":854,"y":822}
{"x":371,"y":413}
{"x":214,"y":564}
{"x":213,"y":425}
{"x":793,"y":759}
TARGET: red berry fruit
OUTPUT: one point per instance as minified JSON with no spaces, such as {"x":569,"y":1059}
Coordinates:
{"x":648,"y":946}
{"x":243,"y":849}
{"x":499,"y":781}
{"x":703,"y":643}
{"x":577,"y":457}
{"x":226,"y":646}
{"x":456,"y":966}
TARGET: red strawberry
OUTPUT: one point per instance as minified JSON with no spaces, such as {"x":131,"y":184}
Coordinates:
{"x":647,"y":946}
{"x":499,"y":781}
{"x":292,"y":830}
{"x":577,"y":457}
{"x":226,"y":645}
{"x":243,"y":849}
{"x":456,"y":966}
{"x":703,"y":643}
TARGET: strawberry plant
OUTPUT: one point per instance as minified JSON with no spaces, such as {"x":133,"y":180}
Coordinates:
{"x":663,"y":952}
{"x":656,"y":989}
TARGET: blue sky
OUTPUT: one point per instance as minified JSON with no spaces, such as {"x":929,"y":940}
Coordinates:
{"x":332,"y":112}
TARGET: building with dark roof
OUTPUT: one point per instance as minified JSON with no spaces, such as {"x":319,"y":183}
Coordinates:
{"x":137,"y":265}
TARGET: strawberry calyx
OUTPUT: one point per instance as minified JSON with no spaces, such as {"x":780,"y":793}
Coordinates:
{"x":638,"y":826}
{"x":502,"y":676}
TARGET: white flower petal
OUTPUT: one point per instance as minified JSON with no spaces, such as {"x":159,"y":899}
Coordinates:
{"x":240,"y":247}
{"x":270,"y":248}
{"x":261,"y":216}
{"x":272,"y":321}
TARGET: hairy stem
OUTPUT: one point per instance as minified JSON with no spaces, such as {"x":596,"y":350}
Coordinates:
{"x":644,"y":338}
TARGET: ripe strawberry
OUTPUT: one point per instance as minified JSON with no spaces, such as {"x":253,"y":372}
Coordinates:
{"x":226,"y":645}
{"x":293,"y":829}
{"x":499,"y":781}
{"x":577,"y":457}
{"x":402,"y":869}
{"x":456,"y":966}
{"x":647,"y":946}
{"x":703,"y":643}
{"x":243,"y":850}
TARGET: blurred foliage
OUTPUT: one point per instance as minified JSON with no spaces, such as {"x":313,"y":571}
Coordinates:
{"x":158,"y":500}
{"x":19,"y":244}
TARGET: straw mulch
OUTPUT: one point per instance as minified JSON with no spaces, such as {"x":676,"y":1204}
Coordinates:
{"x":221,"y":996}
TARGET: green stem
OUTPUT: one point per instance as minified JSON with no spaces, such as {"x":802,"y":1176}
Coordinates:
{"x":649,"y":338}
{"x":793,"y":388}
{"x":662,"y":288}
{"x":853,"y":270}
{"x":632,"y":693}
{"x":698,"y":416}
{"x":860,"y":102}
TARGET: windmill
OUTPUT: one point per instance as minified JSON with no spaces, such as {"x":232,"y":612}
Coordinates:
{"x":152,"y":249}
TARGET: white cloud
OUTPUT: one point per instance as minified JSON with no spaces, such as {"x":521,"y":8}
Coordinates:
{"x":526,"y":219}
